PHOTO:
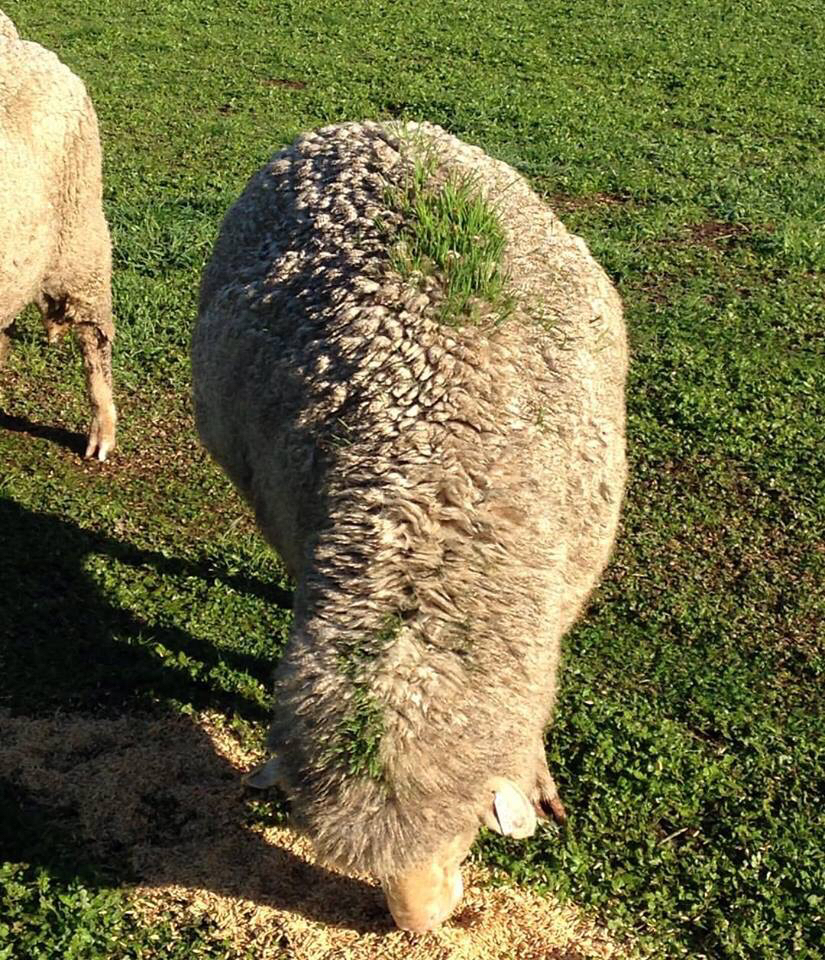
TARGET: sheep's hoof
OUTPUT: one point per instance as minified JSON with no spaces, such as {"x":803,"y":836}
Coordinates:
{"x":264,"y":776}
{"x":553,"y":807}
{"x":547,"y":800}
{"x":101,"y":438}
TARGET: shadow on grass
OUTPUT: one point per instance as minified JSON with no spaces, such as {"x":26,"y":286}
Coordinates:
{"x":92,"y":777}
{"x":75,"y":442}
{"x":64,"y":645}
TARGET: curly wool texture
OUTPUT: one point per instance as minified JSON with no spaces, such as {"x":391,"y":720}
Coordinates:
{"x":460,"y":484}
{"x":55,"y":249}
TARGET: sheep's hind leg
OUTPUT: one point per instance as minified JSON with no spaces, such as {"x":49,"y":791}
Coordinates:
{"x":5,"y":344}
{"x":53,"y":315}
{"x":97,"y":362}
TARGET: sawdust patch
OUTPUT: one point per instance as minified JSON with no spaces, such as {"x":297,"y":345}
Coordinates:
{"x":160,"y":797}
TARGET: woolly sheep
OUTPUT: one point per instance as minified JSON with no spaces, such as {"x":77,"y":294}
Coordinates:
{"x":54,"y":241}
{"x":445,"y":495}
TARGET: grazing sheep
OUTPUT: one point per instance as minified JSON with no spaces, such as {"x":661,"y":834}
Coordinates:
{"x":444,"y":489}
{"x":54,"y":241}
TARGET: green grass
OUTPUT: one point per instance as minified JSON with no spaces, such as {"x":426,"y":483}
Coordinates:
{"x":684,"y":143}
{"x":449,"y":232}
{"x":44,"y":915}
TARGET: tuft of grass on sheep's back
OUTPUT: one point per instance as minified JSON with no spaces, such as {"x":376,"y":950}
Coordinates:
{"x":450,"y":232}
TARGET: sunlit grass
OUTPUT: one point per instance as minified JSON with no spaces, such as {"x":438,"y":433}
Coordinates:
{"x":449,"y":231}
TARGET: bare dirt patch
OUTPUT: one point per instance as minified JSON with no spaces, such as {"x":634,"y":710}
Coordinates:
{"x":286,"y":83}
{"x":564,"y":203}
{"x":162,"y":797}
{"x":710,"y":233}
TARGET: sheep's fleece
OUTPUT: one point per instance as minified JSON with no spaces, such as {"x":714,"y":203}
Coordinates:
{"x":54,"y":242}
{"x":8,"y":30}
{"x":460,"y":484}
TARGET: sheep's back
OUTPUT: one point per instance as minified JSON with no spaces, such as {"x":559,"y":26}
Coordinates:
{"x":311,"y":353}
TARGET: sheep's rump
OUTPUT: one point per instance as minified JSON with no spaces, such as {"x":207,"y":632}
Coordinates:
{"x":445,"y":494}
{"x":53,"y":237}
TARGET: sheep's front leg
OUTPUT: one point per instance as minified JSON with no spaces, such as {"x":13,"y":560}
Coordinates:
{"x":97,"y":362}
{"x":548,"y":801}
{"x":545,"y":796}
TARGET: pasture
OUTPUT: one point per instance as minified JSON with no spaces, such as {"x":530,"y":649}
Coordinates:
{"x":141,"y":614}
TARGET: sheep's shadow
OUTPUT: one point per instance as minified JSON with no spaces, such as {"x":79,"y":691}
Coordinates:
{"x":77,"y":747}
{"x":69,"y":439}
{"x":64,"y":645}
{"x":146,"y":799}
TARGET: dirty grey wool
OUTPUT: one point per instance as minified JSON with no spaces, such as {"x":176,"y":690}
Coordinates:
{"x":445,"y":495}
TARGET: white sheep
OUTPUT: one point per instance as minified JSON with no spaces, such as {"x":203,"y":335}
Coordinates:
{"x":54,"y":242}
{"x":444,"y":490}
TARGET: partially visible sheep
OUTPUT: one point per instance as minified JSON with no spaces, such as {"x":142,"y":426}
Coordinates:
{"x":8,"y":30}
{"x":54,"y":241}
{"x":445,"y":495}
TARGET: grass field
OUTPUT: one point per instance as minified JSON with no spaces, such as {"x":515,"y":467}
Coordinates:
{"x":684,"y":142}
